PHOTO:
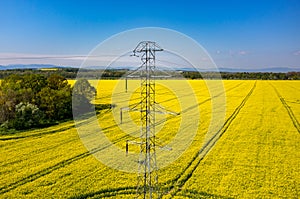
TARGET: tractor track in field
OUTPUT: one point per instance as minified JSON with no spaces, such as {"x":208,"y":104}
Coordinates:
{"x":112,"y":192}
{"x":209,"y":99}
{"x":66,"y":162}
{"x":41,"y":173}
{"x":188,"y":171}
{"x":289,"y":110}
{"x":294,"y":87}
{"x":49,"y":147}
{"x":57,"y":166}
{"x":196,"y":195}
{"x":7,"y":163}
{"x":37,"y":134}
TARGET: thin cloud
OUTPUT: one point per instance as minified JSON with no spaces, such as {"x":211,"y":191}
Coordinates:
{"x":243,"y":52}
{"x":218,"y":52}
{"x":233,"y":53}
{"x":296,"y":53}
{"x":72,"y":60}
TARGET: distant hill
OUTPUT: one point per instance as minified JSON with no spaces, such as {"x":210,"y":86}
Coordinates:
{"x":29,"y":66}
{"x":221,"y":69}
{"x":263,"y":70}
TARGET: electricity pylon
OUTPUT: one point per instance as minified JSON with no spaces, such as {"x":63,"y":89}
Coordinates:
{"x":147,"y":186}
{"x":147,"y":177}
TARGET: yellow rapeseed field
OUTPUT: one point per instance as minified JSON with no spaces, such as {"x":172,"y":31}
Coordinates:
{"x":254,"y":153}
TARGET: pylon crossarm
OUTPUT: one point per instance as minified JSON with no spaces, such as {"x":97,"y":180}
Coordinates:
{"x":166,"y":113}
{"x":160,"y":76}
{"x":164,"y":110}
{"x":131,"y":76}
{"x":163,"y":147}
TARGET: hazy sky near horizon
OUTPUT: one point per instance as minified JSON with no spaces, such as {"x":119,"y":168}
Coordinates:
{"x":237,"y":34}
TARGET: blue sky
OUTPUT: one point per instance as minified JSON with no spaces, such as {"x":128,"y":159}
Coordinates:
{"x":237,"y":34}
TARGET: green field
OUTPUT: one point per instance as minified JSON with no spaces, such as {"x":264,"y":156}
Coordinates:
{"x":255,"y":153}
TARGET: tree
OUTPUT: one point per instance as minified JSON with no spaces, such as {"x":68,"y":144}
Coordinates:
{"x":56,"y":98}
{"x":8,"y":101}
{"x":83,"y":93}
{"x":27,"y":116}
{"x":84,"y":88}
{"x":57,"y":82}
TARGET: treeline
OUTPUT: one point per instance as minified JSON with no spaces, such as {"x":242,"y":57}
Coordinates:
{"x":34,"y":100}
{"x":242,"y":75}
{"x":68,"y":73}
{"x":73,"y":73}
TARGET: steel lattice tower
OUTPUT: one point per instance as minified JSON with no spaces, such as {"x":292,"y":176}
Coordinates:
{"x":147,"y":186}
{"x":147,"y":176}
